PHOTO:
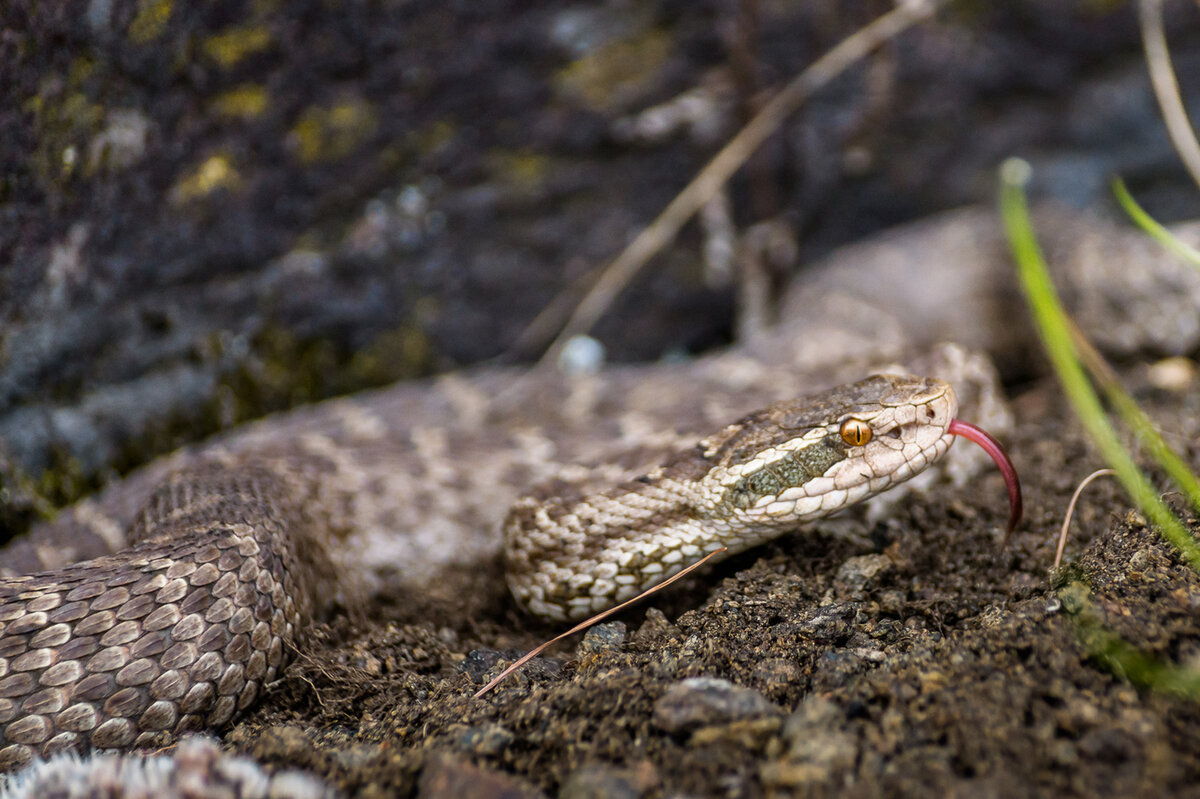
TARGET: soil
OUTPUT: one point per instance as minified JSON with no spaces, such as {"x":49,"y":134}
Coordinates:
{"x":916,"y":656}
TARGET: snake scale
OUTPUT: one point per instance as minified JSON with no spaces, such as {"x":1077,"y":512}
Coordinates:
{"x":195,"y":578}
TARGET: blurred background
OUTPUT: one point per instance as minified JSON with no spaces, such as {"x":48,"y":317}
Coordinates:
{"x":212,"y":210}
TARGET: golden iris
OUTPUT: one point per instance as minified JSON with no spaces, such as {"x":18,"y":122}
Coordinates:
{"x":855,"y":432}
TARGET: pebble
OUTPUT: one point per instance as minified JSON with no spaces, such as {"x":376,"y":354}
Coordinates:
{"x":857,"y":572}
{"x":1172,"y":374}
{"x":485,"y":739}
{"x":601,"y":638}
{"x":818,"y":752}
{"x":699,"y":701}
{"x":608,"y":782}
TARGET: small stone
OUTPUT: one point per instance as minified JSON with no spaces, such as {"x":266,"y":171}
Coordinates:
{"x":446,"y":775}
{"x":699,"y":701}
{"x":601,"y":638}
{"x":820,"y":751}
{"x":1172,"y":374}
{"x":606,"y":782}
{"x":581,"y":355}
{"x":485,"y":739}
{"x":829,"y":624}
{"x":856,"y":573}
{"x":1141,"y":560}
{"x":483,"y":664}
{"x":655,"y":626}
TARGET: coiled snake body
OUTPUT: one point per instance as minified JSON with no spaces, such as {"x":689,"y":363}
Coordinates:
{"x":230,"y":556}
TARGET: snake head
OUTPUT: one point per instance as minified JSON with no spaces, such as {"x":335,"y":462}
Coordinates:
{"x":799,"y":460}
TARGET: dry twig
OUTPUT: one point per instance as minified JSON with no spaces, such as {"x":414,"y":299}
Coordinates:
{"x":1062,"y":533}
{"x":583,"y":625}
{"x":1166,"y":88}
{"x":732,"y":156}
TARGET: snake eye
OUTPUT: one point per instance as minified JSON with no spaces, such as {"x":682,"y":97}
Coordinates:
{"x":855,"y":432}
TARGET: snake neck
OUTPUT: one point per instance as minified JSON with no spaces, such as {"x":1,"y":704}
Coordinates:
{"x":569,"y":552}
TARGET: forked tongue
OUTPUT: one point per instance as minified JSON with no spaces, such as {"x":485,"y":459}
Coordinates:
{"x":992,"y":447}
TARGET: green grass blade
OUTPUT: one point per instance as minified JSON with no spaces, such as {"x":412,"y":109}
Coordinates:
{"x":1146,"y":432}
{"x":1153,"y":228}
{"x":1054,"y":329}
{"x":1120,"y":656}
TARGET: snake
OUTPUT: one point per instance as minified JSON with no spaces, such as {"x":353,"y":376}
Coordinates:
{"x":231,"y":553}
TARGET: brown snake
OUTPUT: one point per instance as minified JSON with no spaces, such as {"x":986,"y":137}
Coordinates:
{"x":228,"y":560}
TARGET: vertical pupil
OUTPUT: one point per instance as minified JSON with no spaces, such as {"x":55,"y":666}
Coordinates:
{"x":855,"y":432}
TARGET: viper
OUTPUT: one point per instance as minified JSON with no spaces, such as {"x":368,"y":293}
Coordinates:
{"x":233,"y":551}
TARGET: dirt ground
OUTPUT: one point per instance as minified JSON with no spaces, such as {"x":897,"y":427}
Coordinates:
{"x":919,"y":659}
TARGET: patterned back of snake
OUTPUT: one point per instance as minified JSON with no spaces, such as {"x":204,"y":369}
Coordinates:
{"x":239,"y":544}
{"x":177,"y":633}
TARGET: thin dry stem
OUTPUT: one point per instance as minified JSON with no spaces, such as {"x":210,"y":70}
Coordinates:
{"x":583,"y":625}
{"x":731,"y":157}
{"x":1166,"y":88}
{"x":1062,"y":533}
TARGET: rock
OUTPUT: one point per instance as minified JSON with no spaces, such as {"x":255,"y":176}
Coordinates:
{"x":601,"y":638}
{"x":699,"y":701}
{"x":819,"y":751}
{"x":606,"y":782}
{"x":448,"y":777}
{"x":856,"y":573}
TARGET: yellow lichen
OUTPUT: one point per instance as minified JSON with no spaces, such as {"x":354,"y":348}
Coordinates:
{"x":151,"y":18}
{"x":217,"y":172}
{"x":522,"y":171}
{"x":64,"y":123}
{"x":611,"y":76}
{"x":332,"y":133}
{"x":433,"y":138}
{"x":244,"y":102}
{"x":231,"y":45}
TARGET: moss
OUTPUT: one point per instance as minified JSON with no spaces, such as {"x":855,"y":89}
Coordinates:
{"x":610,"y":77}
{"x":231,"y":45}
{"x":522,"y":172}
{"x":334,"y":132}
{"x":285,"y":371}
{"x":243,"y":102}
{"x":64,"y":481}
{"x":150,"y":21}
{"x":217,"y":172}
{"x":64,"y":120}
{"x":394,"y":353}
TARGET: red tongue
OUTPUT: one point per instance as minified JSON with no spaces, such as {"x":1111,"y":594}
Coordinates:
{"x":993,"y":448}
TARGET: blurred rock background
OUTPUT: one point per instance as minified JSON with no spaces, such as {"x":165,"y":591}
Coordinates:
{"x":216,"y":209}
